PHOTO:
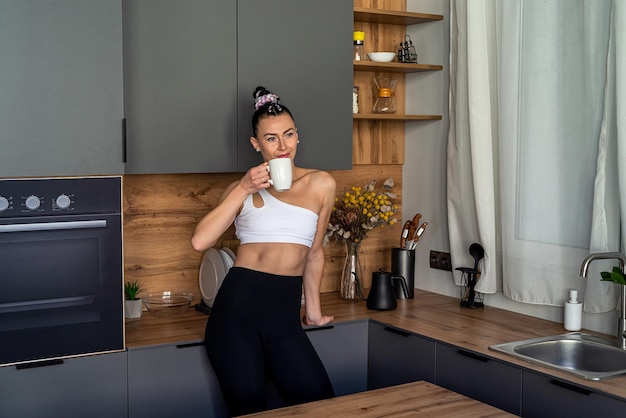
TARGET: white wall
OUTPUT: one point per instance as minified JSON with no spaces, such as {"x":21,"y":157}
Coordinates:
{"x":424,"y":171}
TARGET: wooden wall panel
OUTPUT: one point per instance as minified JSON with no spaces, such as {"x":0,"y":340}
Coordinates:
{"x":382,"y":4}
{"x":379,"y":142}
{"x":161,"y":211}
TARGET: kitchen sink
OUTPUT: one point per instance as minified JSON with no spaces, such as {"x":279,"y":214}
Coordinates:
{"x":585,"y":355}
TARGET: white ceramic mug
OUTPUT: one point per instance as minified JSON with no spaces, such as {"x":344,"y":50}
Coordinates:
{"x":280,"y":173}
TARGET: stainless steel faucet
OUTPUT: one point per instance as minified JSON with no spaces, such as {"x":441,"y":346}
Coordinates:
{"x":621,"y":321}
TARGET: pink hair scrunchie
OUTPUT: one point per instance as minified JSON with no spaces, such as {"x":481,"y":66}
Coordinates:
{"x":265,"y":99}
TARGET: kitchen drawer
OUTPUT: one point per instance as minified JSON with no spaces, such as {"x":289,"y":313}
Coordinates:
{"x":91,"y":386}
{"x":480,"y":377}
{"x":397,"y":356}
{"x":342,"y":348}
{"x":174,"y":380}
{"x":545,"y":396}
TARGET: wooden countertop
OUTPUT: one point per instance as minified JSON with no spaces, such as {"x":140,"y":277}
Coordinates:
{"x":429,"y":314}
{"x":416,"y":398}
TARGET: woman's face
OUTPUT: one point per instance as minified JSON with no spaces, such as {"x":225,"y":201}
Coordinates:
{"x":277,"y":137}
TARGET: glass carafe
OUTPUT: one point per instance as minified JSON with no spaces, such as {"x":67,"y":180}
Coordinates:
{"x":386,"y":101}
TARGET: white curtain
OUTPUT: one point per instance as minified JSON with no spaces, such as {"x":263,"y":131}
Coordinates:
{"x":606,"y":231}
{"x":549,"y":118}
{"x":473,"y":139}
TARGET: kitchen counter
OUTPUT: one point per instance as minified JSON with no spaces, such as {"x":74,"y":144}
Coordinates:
{"x":417,"y":398}
{"x":429,"y":314}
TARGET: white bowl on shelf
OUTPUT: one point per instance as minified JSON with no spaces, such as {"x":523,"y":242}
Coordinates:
{"x":381,"y":56}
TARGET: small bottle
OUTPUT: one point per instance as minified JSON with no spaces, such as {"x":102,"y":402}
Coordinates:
{"x":401,"y":53}
{"x":573,"y":316}
{"x":359,"y":48}
{"x":355,"y":99}
{"x":412,"y":53}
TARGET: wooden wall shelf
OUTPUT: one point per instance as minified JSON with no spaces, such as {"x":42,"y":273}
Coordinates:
{"x":394,"y":116}
{"x":392,"y":17}
{"x":380,"y":138}
{"x":394,"y":67}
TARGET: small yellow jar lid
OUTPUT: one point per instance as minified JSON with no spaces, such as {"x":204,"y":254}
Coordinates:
{"x":359,"y":35}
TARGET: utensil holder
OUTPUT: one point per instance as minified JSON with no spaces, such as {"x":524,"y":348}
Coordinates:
{"x":469,"y":297}
{"x":403,"y":264}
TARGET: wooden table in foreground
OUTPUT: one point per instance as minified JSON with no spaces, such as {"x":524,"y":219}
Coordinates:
{"x":421,"y":399}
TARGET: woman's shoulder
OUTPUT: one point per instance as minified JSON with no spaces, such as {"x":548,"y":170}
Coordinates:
{"x":317,"y":178}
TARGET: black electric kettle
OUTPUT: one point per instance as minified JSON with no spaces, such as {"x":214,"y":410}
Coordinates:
{"x":382,"y":296}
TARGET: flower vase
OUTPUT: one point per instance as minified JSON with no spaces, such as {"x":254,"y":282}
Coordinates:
{"x":351,"y":273}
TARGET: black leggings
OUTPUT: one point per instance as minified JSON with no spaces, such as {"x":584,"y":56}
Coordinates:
{"x":257,"y":347}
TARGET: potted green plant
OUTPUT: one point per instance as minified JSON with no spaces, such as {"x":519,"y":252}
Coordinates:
{"x":132,"y":304}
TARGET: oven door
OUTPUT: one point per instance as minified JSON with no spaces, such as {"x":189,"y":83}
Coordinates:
{"x":60,"y":287}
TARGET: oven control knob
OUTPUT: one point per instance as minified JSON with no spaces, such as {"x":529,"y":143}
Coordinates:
{"x":32,"y":202}
{"x":4,"y":203}
{"x":63,"y":201}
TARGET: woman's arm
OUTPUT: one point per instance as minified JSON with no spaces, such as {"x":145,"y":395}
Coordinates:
{"x":314,"y":268}
{"x":216,"y":222}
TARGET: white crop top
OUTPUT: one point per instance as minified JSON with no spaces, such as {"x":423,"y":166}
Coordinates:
{"x":275,"y":221}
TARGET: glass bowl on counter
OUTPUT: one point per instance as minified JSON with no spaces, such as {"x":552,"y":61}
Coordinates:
{"x":167,"y":304}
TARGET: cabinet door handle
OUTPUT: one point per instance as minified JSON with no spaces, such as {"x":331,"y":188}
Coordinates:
{"x":473,"y":355}
{"x":319,"y":328}
{"x":398,"y":331}
{"x":190,"y":345}
{"x":53,"y":226}
{"x":43,"y":363}
{"x":574,"y":388}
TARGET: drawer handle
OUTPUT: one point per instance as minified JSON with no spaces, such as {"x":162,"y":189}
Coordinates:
{"x":398,"y":331}
{"x":190,"y":345}
{"x":54,"y":226}
{"x":473,"y":355}
{"x":319,"y":328}
{"x":43,"y":363}
{"x":565,"y":385}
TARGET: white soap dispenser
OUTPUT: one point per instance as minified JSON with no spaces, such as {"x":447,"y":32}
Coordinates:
{"x":573,"y":312}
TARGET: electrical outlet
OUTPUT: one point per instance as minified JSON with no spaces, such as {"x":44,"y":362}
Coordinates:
{"x":440,"y":260}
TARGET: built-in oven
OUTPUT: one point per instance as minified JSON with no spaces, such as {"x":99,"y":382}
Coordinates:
{"x":61,"y":272}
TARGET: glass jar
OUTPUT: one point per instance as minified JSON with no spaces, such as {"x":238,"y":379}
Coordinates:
{"x":355,"y":99}
{"x":359,"y":48}
{"x":386,"y":101}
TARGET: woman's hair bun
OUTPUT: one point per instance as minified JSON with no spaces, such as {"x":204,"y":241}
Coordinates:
{"x":263,"y":97}
{"x":260,"y":91}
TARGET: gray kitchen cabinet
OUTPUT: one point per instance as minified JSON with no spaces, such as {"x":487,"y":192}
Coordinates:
{"x":397,"y":356}
{"x":91,"y":386}
{"x":190,"y":69}
{"x":61,"y":79}
{"x":342,"y":348}
{"x":479,"y":377}
{"x":545,"y":396}
{"x":180,"y":78}
{"x":302,"y":51}
{"x":173,"y":380}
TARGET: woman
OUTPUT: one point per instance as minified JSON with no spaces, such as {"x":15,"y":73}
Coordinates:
{"x":254,"y":338}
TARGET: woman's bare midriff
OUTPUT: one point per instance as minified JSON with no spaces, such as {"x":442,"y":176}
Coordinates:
{"x":276,"y":258}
